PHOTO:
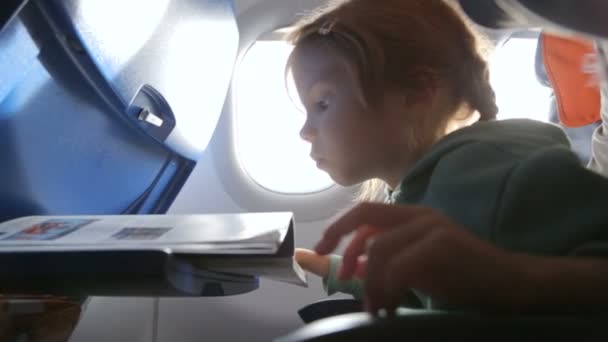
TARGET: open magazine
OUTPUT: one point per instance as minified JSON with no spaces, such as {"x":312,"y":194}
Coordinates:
{"x":186,"y":248}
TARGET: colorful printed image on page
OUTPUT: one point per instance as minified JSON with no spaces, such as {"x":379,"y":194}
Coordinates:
{"x":133,"y":233}
{"x":50,"y":230}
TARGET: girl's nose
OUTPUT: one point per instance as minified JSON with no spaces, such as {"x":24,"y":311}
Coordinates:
{"x":307,"y":133}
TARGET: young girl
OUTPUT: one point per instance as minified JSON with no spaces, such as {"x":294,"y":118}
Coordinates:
{"x":391,"y":89}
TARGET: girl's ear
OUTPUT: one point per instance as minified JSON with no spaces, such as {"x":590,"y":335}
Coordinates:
{"x":424,"y":85}
{"x":422,"y":94}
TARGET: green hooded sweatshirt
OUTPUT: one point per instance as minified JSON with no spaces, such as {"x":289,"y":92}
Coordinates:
{"x":514,"y":183}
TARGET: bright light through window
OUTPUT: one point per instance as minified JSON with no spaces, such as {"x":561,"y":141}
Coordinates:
{"x":512,"y":74}
{"x":268,"y":124}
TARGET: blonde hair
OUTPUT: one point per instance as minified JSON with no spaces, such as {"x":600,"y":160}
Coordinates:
{"x":373,"y":190}
{"x":406,"y":45}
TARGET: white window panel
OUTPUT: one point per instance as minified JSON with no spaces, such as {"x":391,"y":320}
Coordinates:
{"x":519,"y":94}
{"x":268,"y":124}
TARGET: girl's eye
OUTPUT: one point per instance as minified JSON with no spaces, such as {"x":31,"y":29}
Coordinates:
{"x":322,"y":105}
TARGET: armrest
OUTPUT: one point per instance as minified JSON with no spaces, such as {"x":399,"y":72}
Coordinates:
{"x":328,"y":308}
{"x":418,"y":325}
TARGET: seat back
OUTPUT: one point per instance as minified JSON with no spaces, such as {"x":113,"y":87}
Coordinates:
{"x":105,"y":106}
{"x":580,"y":136}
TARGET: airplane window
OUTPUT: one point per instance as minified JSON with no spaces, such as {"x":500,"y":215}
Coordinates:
{"x":268,"y":124}
{"x":518,"y":92}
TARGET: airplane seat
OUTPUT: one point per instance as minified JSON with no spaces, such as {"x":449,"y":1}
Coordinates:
{"x":101,"y":111}
{"x":422,"y":325}
{"x":100,"y":102}
{"x":579,"y":128}
{"x":329,"y":308}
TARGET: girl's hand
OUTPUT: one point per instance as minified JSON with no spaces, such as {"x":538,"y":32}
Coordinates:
{"x":398,"y":247}
{"x":312,"y":262}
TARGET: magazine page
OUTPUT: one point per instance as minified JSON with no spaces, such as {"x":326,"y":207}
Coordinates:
{"x":282,"y":269}
{"x":280,"y":266}
{"x":191,"y":233}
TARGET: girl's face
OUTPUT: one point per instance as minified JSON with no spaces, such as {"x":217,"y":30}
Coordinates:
{"x":348,"y":141}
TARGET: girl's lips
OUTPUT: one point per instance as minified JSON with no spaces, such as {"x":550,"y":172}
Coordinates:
{"x":320,"y":163}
